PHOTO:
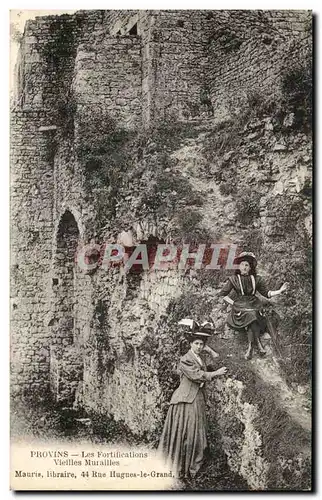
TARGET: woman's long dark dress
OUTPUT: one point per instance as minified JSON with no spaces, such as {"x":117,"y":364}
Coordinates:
{"x":246,"y":308}
{"x":183,"y":441}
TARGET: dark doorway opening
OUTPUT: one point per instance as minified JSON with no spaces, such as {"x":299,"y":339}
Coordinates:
{"x":134,"y":30}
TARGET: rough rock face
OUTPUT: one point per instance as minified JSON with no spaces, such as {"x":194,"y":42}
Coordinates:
{"x":173,"y":126}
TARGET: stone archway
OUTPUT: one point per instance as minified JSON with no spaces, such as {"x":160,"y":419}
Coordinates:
{"x":66,"y":363}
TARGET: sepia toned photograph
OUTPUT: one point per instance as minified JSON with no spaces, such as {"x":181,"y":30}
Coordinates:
{"x":161,"y":250}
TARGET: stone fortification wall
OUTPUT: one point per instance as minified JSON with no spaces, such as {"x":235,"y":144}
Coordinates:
{"x":250,"y":52}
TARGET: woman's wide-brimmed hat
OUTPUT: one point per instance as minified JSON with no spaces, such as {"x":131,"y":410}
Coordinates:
{"x":202,"y":331}
{"x":246,"y":256}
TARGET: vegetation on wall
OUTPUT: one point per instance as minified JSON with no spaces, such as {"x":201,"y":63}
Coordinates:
{"x":296,"y":328}
{"x":118,"y":163}
{"x":59,"y":54}
{"x":247,"y":206}
{"x":298,"y":94}
{"x":105,"y":152}
{"x":227,"y":39}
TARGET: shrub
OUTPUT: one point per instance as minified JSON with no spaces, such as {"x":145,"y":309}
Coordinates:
{"x":247,"y":206}
{"x":297,"y":94}
{"x":112,"y":431}
{"x":188,"y":228}
{"x":228,"y":188}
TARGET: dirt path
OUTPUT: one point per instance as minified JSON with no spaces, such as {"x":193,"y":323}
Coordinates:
{"x":217,"y":210}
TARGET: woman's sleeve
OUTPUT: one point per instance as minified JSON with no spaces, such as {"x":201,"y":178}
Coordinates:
{"x":193,"y":372}
{"x":261,"y":287}
{"x":226,"y":289}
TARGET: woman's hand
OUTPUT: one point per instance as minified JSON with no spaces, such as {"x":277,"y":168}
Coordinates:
{"x":221,"y":371}
{"x":283,"y":288}
{"x":228,"y":300}
{"x":272,"y":293}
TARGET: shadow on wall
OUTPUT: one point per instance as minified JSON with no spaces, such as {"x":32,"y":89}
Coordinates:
{"x":66,"y":364}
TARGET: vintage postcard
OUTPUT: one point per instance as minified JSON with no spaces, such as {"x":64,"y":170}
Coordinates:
{"x":161,"y":239}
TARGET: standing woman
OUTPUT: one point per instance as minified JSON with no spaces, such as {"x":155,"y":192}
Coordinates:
{"x":183,"y":441}
{"x":246,"y":311}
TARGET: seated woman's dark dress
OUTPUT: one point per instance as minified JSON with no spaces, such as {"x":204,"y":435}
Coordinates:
{"x":246,"y":308}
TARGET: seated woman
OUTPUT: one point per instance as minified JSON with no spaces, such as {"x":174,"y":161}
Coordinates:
{"x":246,"y":311}
{"x":183,"y":441}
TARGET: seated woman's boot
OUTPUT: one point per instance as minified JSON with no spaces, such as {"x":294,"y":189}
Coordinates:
{"x":249,"y":352}
{"x":260,"y":348}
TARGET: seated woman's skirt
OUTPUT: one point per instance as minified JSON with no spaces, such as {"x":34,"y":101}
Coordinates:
{"x":183,"y":441}
{"x":245,"y":311}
